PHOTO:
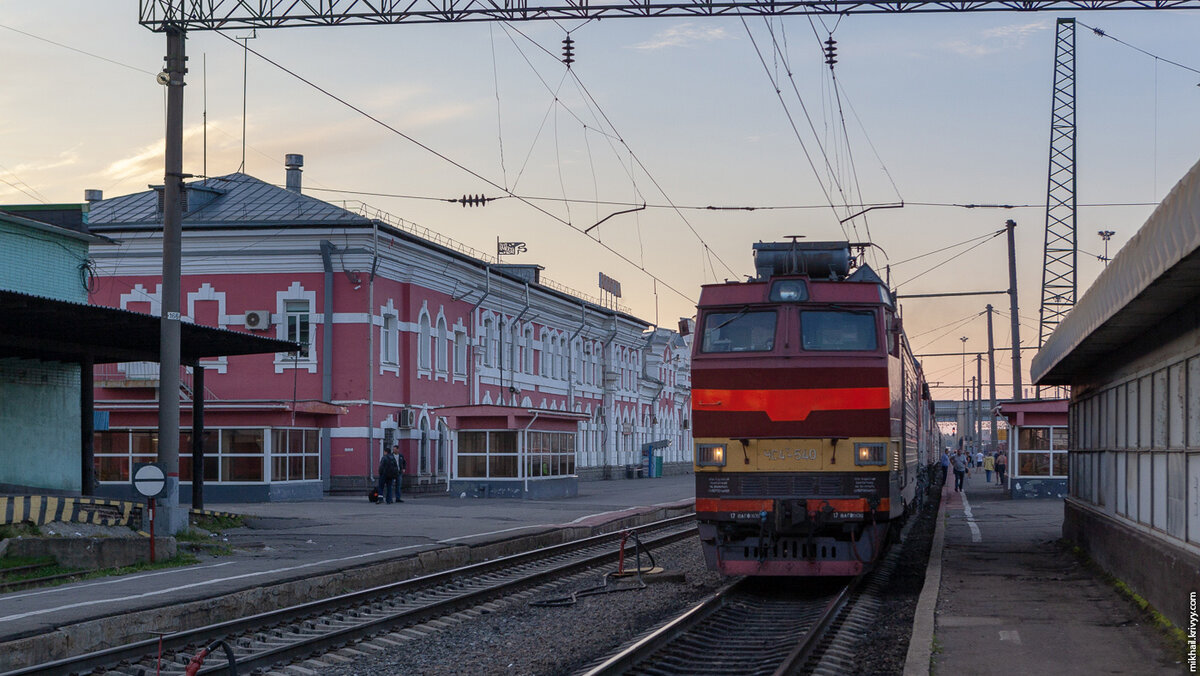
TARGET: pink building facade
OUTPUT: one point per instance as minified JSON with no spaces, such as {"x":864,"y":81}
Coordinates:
{"x":492,"y":380}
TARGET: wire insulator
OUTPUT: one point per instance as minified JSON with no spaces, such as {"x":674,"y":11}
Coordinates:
{"x":568,"y":51}
{"x":831,"y":51}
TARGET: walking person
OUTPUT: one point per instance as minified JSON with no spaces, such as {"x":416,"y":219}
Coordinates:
{"x":979,"y":459}
{"x":945,"y":462}
{"x":1001,"y":468}
{"x":389,"y":477}
{"x":960,"y":470}
{"x":989,"y":466}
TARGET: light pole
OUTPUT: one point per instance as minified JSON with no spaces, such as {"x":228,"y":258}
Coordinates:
{"x":1106,"y":235}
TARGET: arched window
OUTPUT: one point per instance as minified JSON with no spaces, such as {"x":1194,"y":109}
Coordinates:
{"x":423,"y":451}
{"x":514,"y":355}
{"x":562,"y":359}
{"x":485,"y":341}
{"x":439,"y":340}
{"x":527,"y":350}
{"x":443,"y":447}
{"x":577,"y":361}
{"x":423,"y":342}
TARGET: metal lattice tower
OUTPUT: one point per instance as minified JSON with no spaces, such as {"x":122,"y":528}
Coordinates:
{"x":1058,"y":270}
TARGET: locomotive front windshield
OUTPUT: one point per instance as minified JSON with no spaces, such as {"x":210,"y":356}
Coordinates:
{"x":741,"y":331}
{"x":838,"y":330}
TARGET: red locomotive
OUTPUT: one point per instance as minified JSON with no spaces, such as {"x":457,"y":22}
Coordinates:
{"x":813,"y":425}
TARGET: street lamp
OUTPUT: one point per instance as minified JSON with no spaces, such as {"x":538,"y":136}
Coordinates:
{"x":1106,"y":235}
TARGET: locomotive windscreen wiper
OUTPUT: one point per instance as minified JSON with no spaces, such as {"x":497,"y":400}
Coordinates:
{"x":744,"y":310}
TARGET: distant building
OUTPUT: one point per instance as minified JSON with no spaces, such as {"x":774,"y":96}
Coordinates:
{"x":492,"y":379}
{"x":1130,"y":351}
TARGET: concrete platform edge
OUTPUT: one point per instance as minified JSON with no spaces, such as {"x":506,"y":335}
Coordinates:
{"x":920,"y":644}
{"x":18,"y":652}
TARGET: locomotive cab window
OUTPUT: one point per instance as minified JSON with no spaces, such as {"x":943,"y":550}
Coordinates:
{"x":741,"y":331}
{"x":838,"y":330}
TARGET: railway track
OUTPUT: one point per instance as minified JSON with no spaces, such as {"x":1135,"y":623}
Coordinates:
{"x":289,"y":634}
{"x":749,"y":627}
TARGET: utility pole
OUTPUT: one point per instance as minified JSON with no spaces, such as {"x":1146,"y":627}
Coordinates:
{"x":1106,"y":235}
{"x":1011,"y":225}
{"x":991,"y":381}
{"x":978,"y":400}
{"x":171,"y":518}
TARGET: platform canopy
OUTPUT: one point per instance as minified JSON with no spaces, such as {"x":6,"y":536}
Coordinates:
{"x":35,"y":327}
{"x":1155,"y":274}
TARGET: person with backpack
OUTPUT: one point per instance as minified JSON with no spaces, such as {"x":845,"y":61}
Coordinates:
{"x":390,"y":467}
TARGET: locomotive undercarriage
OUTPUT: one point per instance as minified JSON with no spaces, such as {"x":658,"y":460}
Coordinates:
{"x":809,"y":547}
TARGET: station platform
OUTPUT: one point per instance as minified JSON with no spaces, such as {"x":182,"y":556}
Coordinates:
{"x":1004,"y":596}
{"x":311,"y":542}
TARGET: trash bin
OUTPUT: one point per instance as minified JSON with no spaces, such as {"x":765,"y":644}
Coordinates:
{"x":658,"y":466}
{"x":628,"y":471}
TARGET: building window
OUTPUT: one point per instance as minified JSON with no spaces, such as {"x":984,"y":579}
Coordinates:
{"x":485,"y":342}
{"x":527,"y":350}
{"x":460,"y":353}
{"x":297,"y":324}
{"x":231,"y":455}
{"x":295,"y":455}
{"x":423,"y":343}
{"x":544,"y":364}
{"x":514,"y":354}
{"x":440,"y":340}
{"x":443,"y":447}
{"x":1041,"y":452}
{"x":549,"y":454}
{"x":423,"y":450}
{"x":389,"y":343}
{"x":487,"y":455}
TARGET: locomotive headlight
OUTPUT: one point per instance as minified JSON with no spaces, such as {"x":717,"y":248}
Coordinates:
{"x":789,"y":291}
{"x":710,"y":455}
{"x":870,"y":454}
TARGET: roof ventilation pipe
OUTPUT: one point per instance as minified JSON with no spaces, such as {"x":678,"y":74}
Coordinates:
{"x":293,"y":162}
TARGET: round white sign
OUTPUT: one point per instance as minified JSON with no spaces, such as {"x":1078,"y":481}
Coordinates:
{"x":149,"y":480}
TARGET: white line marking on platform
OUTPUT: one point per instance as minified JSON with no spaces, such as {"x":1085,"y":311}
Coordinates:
{"x":204,"y":583}
{"x":494,"y":532}
{"x":111,"y":580}
{"x":1010,"y":636}
{"x":976,"y":536}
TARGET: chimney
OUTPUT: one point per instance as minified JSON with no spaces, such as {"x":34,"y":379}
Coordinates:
{"x":93,"y":195}
{"x":293,"y":162}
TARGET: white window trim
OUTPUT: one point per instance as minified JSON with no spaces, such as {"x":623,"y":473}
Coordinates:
{"x":285,"y":360}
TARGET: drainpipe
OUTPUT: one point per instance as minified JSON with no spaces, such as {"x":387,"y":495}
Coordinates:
{"x":327,"y":249}
{"x":525,"y":445}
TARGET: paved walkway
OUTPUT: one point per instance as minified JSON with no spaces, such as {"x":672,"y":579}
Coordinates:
{"x":1012,"y":600}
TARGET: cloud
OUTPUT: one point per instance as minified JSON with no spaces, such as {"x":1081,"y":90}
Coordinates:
{"x":999,"y":39}
{"x":683,"y":35}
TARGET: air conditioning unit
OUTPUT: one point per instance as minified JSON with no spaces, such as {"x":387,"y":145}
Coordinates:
{"x":257,"y":320}
{"x":407,"y":419}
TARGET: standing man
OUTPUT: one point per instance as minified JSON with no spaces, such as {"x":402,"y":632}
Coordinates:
{"x":960,"y":470}
{"x":389,"y":477}
{"x":945,"y":465}
{"x":1001,"y":468}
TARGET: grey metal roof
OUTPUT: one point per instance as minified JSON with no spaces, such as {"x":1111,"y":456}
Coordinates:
{"x":236,"y":200}
{"x":1153,"y":276}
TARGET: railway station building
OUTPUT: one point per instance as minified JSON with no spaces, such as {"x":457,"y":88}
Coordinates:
{"x":1130,"y":352}
{"x":491,"y":378}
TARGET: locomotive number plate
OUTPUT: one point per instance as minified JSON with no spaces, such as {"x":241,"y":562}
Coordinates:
{"x":780,"y":454}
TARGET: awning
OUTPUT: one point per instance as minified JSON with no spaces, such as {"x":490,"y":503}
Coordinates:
{"x":508,"y":417}
{"x":1153,"y":276}
{"x":35,"y":327}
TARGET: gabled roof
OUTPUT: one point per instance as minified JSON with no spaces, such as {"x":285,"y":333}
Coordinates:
{"x":236,"y":200}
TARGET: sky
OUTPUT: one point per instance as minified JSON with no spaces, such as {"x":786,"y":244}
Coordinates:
{"x":931,"y":110}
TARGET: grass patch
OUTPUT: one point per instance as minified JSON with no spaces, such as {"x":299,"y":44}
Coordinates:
{"x":17,"y":530}
{"x":1175,"y":636}
{"x":19,"y":561}
{"x":217,"y":524}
